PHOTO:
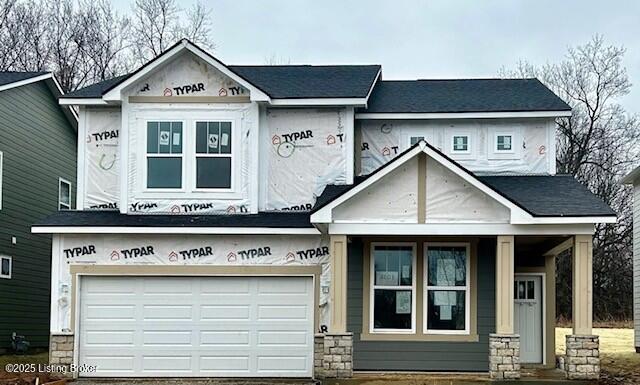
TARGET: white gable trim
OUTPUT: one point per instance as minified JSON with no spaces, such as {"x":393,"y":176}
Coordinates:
{"x":440,"y":229}
{"x":82,"y":102}
{"x":324,"y":215}
{"x":518,"y":215}
{"x":115,"y":94}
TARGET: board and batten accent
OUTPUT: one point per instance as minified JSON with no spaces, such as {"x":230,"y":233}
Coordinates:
{"x":423,"y":355}
{"x":38,"y":143}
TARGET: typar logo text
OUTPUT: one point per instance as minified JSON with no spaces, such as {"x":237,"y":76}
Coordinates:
{"x":306,"y":254}
{"x":132,"y":253}
{"x":249,"y":254}
{"x":80,"y":251}
{"x":187,"y":254}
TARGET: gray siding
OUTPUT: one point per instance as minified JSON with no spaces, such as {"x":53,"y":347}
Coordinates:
{"x":420,"y":355}
{"x":39,"y":146}
{"x":636,"y":260}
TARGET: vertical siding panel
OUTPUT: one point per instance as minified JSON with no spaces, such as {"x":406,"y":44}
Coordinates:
{"x":39,"y":146}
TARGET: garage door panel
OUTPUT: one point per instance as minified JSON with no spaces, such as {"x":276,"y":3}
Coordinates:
{"x":167,"y":312}
{"x":225,"y":338}
{"x":225,"y":312}
{"x":217,"y":326}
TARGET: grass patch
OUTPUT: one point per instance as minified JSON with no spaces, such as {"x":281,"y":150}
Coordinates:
{"x":39,"y":358}
{"x":620,"y":364}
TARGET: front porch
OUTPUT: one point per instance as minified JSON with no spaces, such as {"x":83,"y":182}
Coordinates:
{"x":500,"y":323}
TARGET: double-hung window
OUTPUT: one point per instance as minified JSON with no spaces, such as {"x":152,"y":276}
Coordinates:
{"x":164,"y":155}
{"x":213,"y":155}
{"x":394,"y":285}
{"x":504,"y":143}
{"x":446,"y":296}
{"x":460,"y":144}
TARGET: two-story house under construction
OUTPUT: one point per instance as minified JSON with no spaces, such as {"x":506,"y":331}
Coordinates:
{"x":312,"y":221}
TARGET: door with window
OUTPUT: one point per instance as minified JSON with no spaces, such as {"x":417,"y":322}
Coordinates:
{"x":528,"y":316}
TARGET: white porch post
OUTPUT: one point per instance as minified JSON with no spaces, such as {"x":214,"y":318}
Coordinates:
{"x":504,"y":345}
{"x":582,"y":359}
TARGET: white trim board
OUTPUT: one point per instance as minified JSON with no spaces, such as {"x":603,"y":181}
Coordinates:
{"x":462,"y":115}
{"x":171,"y":230}
{"x":24,"y":82}
{"x":441,"y":229}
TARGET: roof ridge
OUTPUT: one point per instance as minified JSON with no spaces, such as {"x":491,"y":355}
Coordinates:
{"x":303,"y":65}
{"x":451,"y":80}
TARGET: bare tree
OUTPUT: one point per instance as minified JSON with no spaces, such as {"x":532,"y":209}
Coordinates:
{"x":157,"y":24}
{"x":598,"y":144}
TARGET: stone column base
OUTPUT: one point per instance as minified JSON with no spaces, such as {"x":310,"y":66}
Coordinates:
{"x":582,"y":359}
{"x":333,"y":355}
{"x":504,"y":356}
{"x":61,"y":352}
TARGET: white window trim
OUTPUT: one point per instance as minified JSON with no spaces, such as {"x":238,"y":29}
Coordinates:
{"x":5,"y":276}
{"x":453,"y":146}
{"x":146,"y":156}
{"x":207,"y":155}
{"x":60,"y":203}
{"x":188,"y":118}
{"x":467,"y":288}
{"x":516,"y":143}
{"x":471,"y":152}
{"x":373,"y":287}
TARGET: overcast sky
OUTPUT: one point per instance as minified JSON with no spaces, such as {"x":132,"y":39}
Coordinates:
{"x":421,"y":39}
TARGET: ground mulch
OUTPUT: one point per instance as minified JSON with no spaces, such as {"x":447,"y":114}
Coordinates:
{"x":26,"y":378}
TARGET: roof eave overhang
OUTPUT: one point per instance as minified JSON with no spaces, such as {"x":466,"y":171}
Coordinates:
{"x":301,"y":102}
{"x":462,"y":115}
{"x":44,"y":229}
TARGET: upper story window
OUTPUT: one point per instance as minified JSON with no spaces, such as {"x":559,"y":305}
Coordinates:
{"x":5,"y":267}
{"x":64,"y":194}
{"x":504,"y":143}
{"x":460,"y":144}
{"x":164,"y":155}
{"x":415,"y":139}
{"x":190,"y":156}
{"x":213,"y":155}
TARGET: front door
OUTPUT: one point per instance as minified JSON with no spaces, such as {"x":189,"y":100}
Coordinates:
{"x":528,"y":317}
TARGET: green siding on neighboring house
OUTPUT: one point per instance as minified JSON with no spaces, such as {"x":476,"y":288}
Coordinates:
{"x":421,"y":355}
{"x":39,"y":146}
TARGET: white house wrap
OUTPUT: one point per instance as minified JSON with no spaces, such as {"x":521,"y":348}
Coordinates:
{"x":226,"y":250}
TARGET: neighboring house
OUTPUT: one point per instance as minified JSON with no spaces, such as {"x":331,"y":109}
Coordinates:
{"x":228,"y":213}
{"x":37,"y":178}
{"x":634,"y":179}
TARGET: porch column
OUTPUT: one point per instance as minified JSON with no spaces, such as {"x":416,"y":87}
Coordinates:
{"x":583,"y":349}
{"x":334,"y":349}
{"x":504,"y":345}
{"x":338,"y":287}
{"x":582,"y":305}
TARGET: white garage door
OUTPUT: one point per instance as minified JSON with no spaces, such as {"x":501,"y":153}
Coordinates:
{"x":197,"y":326}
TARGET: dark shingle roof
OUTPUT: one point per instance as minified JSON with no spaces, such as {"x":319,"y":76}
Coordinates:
{"x":114,"y":218}
{"x":543,"y":196}
{"x":306,"y":81}
{"x":8,"y":77}
{"x":463,"y":95}
{"x":284,"y":82}
{"x":539,"y":195}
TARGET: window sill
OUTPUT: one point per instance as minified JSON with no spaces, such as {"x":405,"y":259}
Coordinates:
{"x":419,"y":337}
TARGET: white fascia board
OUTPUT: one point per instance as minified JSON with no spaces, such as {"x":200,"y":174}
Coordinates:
{"x":354,"y":102}
{"x":26,"y":81}
{"x":324,"y":214}
{"x":82,"y":102}
{"x":464,"y":115}
{"x":375,"y":81}
{"x":441,"y":229}
{"x":171,"y":230}
{"x":565,"y":220}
